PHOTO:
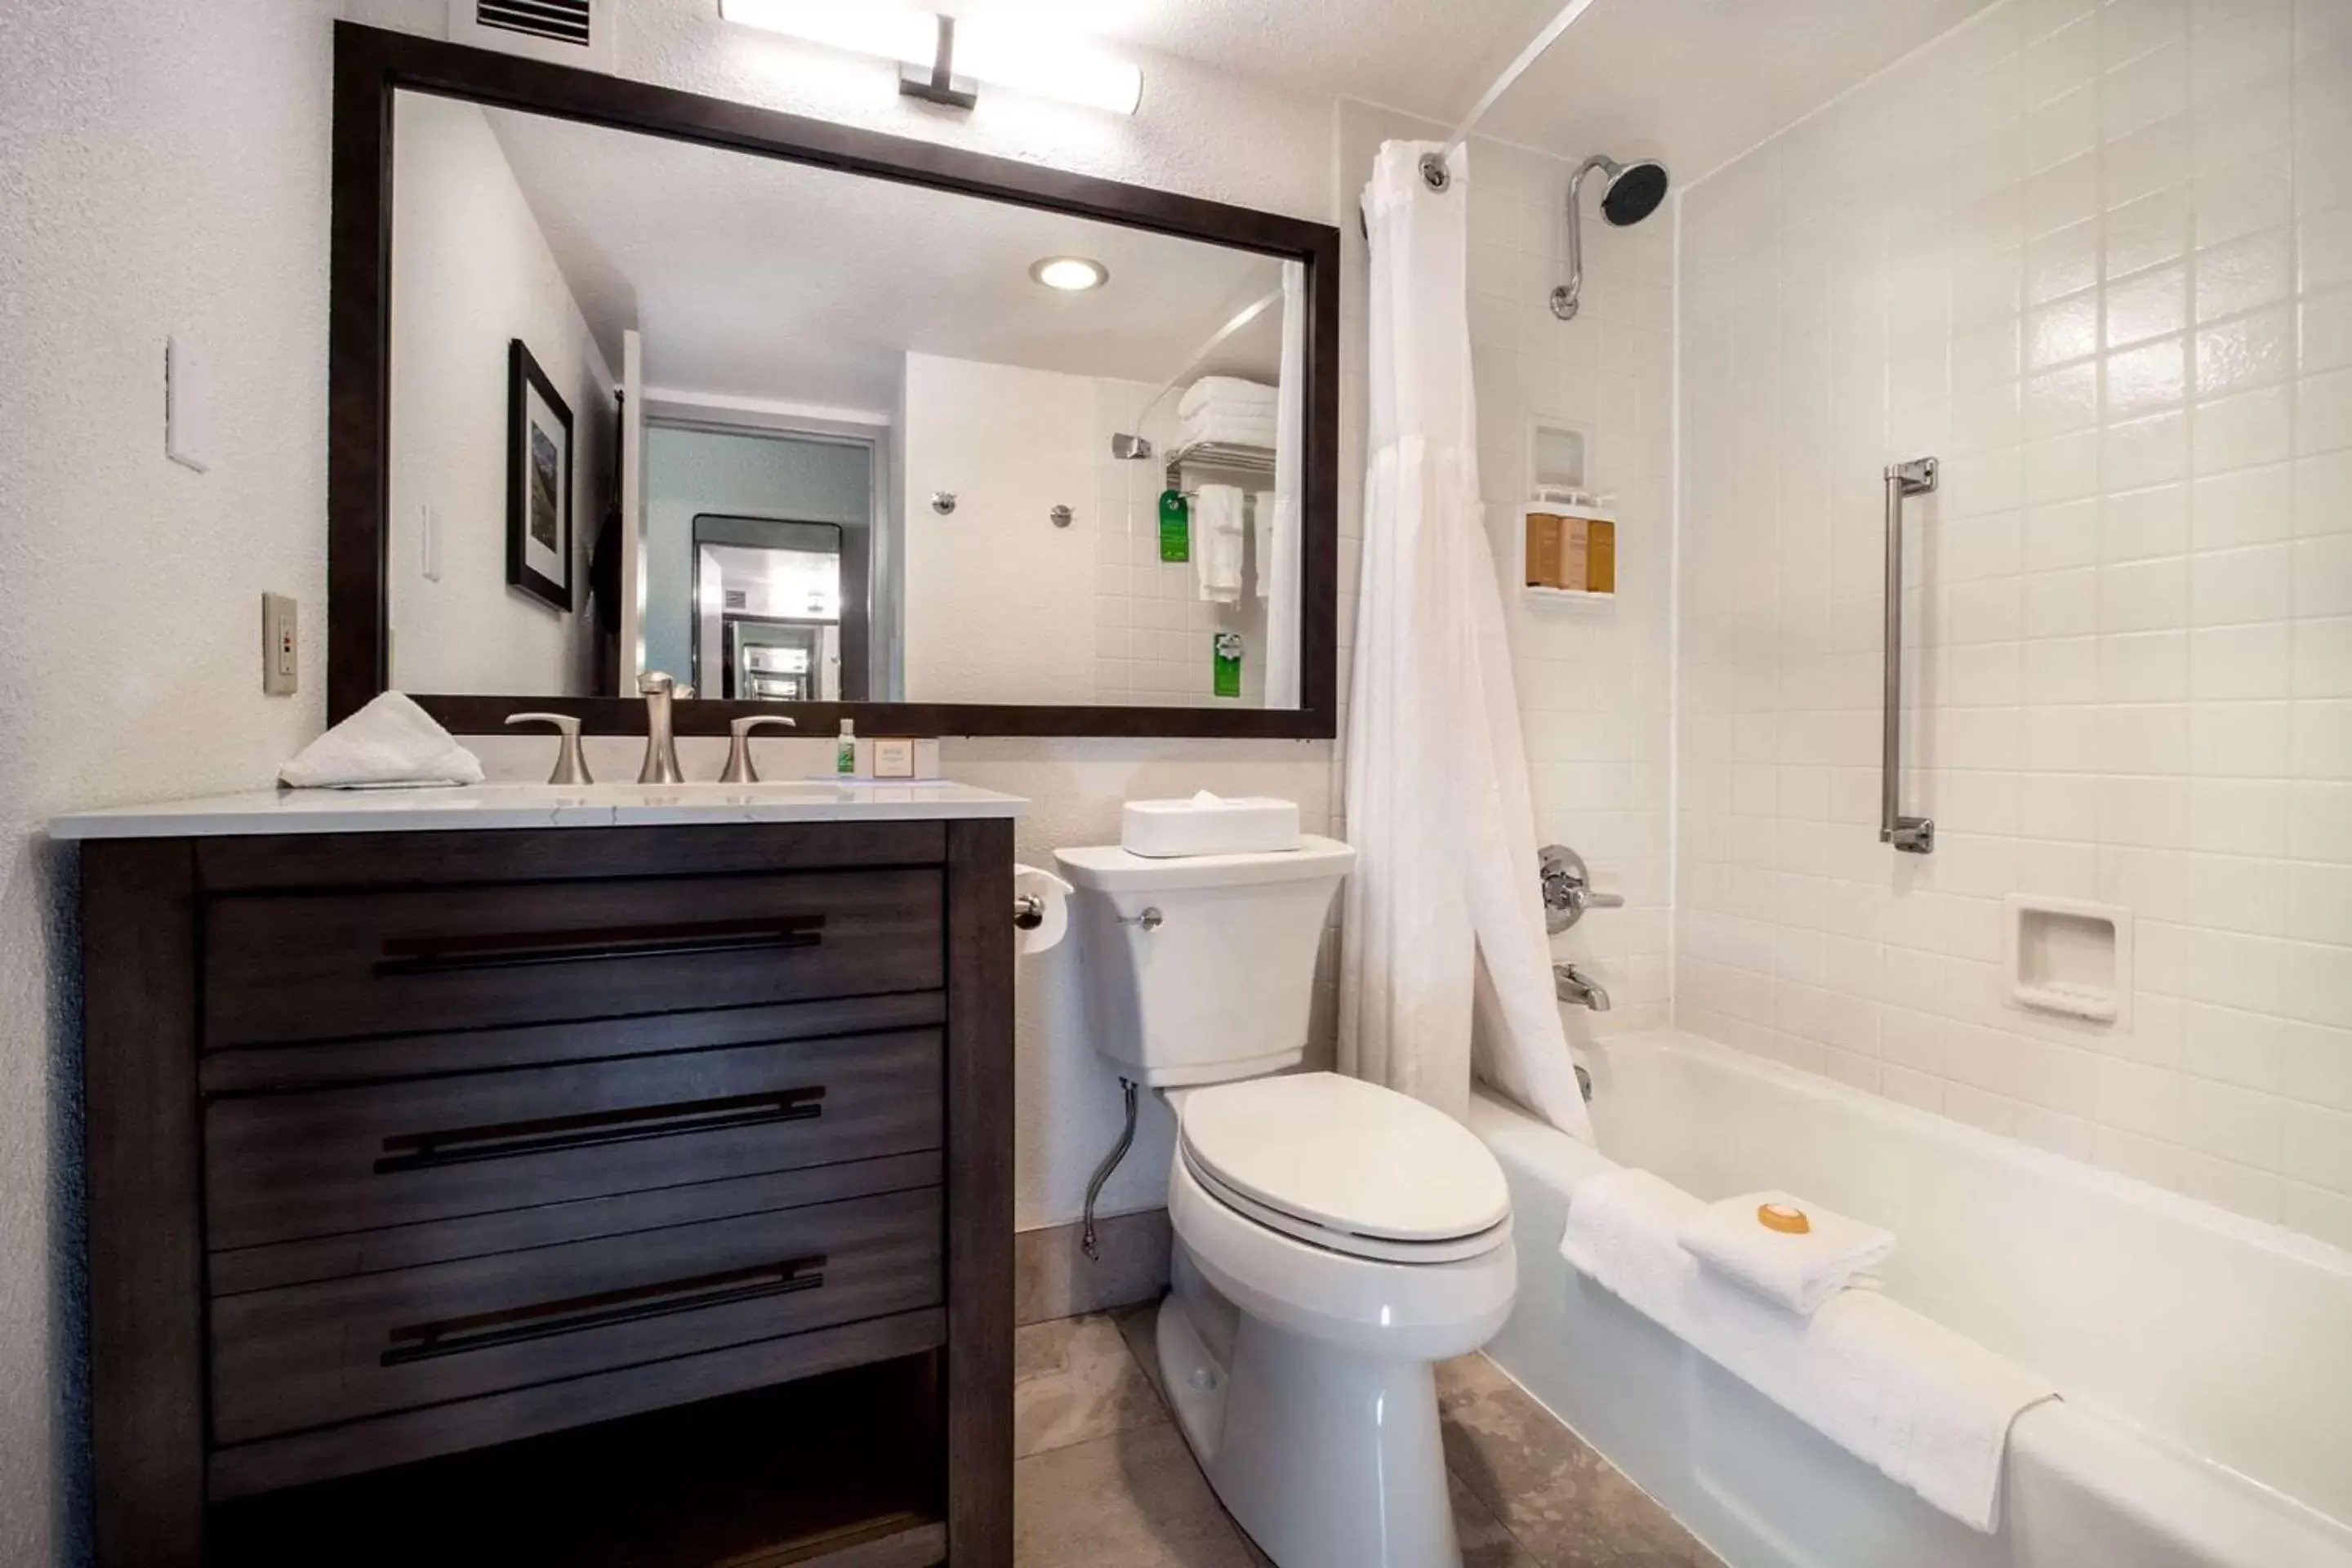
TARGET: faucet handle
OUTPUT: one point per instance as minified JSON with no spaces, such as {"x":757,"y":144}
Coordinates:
{"x":652,"y":682}
{"x":739,"y":751}
{"x":1568,"y":890}
{"x":570,"y":765}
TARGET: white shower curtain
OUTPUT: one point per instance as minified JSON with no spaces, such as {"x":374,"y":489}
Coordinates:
{"x":1443,"y":917}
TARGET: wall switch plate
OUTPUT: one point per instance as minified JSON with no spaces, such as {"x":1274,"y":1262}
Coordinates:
{"x":186,"y":435}
{"x":280,"y":639}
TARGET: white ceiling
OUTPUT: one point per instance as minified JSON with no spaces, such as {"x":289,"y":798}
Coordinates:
{"x":752,"y":278}
{"x":1694,"y":82}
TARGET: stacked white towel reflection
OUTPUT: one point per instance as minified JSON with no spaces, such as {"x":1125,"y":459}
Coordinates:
{"x":1795,"y":1270}
{"x":1226,"y":410}
{"x":1218,"y":544}
{"x":1928,"y":1407}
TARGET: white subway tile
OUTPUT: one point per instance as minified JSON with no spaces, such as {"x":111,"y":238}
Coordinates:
{"x":2258,"y":584}
{"x":2243,"y":430}
{"x":2242,"y":505}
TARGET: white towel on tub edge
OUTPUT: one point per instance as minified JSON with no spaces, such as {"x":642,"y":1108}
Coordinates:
{"x":1928,"y":1406}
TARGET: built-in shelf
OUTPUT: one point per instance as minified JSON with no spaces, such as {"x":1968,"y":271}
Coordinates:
{"x":1567,"y":596}
{"x":825,"y":1473}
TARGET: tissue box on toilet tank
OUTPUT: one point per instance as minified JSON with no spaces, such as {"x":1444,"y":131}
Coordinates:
{"x":1209,"y":825}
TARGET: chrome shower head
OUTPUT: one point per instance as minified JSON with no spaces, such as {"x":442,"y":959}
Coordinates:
{"x":1632,"y":194}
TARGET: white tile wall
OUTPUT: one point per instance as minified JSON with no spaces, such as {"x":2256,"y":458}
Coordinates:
{"x":2097,"y":257}
{"x":1593,"y":679}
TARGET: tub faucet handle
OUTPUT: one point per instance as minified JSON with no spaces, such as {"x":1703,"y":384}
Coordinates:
{"x":571,"y":766}
{"x":1567,"y":889}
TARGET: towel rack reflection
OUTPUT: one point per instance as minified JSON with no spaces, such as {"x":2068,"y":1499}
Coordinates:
{"x":1227,"y":456}
{"x":1911,"y":835}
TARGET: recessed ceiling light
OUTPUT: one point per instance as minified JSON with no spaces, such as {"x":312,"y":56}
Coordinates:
{"x":1074,"y":274}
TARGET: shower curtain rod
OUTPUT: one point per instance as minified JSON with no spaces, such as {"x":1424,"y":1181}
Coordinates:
{"x":1434,"y":168}
{"x":1247,"y":314}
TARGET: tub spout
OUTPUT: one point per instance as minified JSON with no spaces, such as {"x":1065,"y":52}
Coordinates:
{"x":1572,"y":985}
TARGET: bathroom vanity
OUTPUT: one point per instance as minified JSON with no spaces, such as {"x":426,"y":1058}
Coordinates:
{"x":527,"y":1175}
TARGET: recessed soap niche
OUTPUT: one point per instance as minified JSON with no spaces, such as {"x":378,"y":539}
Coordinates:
{"x":1558,"y":454}
{"x":2068,"y":956}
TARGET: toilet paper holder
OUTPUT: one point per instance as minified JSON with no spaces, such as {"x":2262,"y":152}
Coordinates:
{"x":1041,"y":916}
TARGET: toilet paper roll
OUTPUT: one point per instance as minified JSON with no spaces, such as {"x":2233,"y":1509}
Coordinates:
{"x":1054,"y":895}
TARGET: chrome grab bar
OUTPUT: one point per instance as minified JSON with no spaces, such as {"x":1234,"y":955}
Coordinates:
{"x":1911,"y":835}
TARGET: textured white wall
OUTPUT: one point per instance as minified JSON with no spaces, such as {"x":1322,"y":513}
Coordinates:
{"x":161,"y":169}
{"x":2096,"y":258}
{"x":471,"y":272}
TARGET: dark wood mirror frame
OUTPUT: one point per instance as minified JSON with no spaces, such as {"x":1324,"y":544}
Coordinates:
{"x":371,"y":64}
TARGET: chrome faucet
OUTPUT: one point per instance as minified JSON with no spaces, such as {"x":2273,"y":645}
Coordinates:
{"x":661,"y":749}
{"x":1571,"y":985}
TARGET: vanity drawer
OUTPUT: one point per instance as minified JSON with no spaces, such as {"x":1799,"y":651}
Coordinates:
{"x":324,"y":1162}
{"x":304,"y":1356}
{"x":285,"y":967}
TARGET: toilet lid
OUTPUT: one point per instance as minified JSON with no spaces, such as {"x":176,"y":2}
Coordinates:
{"x":1346,"y":1155}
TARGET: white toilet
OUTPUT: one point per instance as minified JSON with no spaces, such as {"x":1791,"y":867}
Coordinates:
{"x":1333,"y":1239}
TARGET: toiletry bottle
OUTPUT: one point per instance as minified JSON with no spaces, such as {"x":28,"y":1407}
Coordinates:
{"x":844,"y":751}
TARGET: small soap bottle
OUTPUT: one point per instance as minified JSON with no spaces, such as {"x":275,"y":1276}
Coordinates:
{"x":844,"y":751}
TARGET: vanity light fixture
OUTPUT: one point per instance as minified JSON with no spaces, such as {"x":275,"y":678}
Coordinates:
{"x":1071,"y":274}
{"x":942,"y":59}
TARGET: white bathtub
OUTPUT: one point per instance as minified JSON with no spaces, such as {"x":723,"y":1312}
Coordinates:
{"x":2205,"y":1361}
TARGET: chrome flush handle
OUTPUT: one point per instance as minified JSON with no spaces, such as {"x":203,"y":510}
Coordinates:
{"x":1150,"y":920}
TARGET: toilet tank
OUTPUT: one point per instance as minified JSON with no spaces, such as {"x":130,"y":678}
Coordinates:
{"x":1201,"y":970}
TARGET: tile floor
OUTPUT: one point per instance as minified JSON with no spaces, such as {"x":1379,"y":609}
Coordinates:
{"x":1104,"y":1480}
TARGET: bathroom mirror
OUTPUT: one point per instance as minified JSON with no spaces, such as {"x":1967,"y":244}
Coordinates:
{"x":815,"y":421}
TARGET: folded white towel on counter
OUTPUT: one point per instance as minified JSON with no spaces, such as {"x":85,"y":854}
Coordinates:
{"x":390,"y":742}
{"x":1217,"y":542}
{"x":1226,"y":391}
{"x":1797,"y":1270}
{"x":1928,"y":1407}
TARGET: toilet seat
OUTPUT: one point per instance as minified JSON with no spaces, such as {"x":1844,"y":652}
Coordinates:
{"x":1346,"y":1166}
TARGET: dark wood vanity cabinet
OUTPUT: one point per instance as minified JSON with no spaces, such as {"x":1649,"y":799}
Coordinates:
{"x":591,"y":1172}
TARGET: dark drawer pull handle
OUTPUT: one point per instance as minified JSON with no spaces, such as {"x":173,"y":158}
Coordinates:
{"x":573,"y":1314}
{"x":553,"y":1134}
{"x":517,"y":950}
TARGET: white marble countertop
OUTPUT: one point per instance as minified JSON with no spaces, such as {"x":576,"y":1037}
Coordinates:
{"x":500,"y":805}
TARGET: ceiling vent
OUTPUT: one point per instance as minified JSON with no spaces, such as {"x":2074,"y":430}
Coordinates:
{"x":569,"y":32}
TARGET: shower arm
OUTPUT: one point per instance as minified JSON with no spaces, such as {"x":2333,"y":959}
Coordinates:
{"x":1565,"y":300}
